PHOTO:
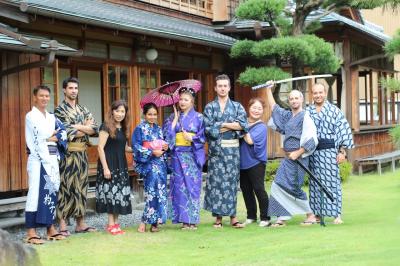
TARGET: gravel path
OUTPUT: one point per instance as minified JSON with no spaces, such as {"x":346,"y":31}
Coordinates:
{"x":93,"y":219}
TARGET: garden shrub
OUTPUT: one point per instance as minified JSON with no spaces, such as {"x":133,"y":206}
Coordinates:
{"x":270,"y":170}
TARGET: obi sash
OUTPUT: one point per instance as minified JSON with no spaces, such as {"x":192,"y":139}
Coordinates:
{"x":76,"y":146}
{"x":324,"y":144}
{"x":181,"y":141}
{"x":53,"y":150}
{"x":229,"y":143}
{"x":154,"y":145}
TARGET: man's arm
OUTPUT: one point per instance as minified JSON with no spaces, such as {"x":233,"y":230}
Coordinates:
{"x":271,"y":100}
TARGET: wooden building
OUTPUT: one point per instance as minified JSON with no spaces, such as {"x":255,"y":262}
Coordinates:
{"x":119,"y":49}
{"x":370,"y":109}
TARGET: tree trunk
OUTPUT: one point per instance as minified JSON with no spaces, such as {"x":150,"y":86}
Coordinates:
{"x":276,"y":92}
{"x":298,"y":71}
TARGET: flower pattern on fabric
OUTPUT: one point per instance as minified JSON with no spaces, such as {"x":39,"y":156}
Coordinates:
{"x":154,"y":172}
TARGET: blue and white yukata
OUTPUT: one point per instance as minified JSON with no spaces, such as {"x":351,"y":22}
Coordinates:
{"x":333,"y":132}
{"x":223,"y":157}
{"x":287,"y":197}
{"x":42,"y":167}
{"x":153,"y":170}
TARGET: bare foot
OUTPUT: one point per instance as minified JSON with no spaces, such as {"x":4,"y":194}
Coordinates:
{"x":141,"y":228}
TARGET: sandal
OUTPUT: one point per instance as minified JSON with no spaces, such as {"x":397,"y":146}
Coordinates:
{"x":237,"y":225}
{"x":185,"y":227}
{"x":34,"y":240}
{"x":88,"y":229}
{"x":278,"y":224}
{"x":217,"y":225}
{"x":308,"y":223}
{"x":141,"y":228}
{"x":114,"y":229}
{"x":65,"y":233}
{"x":57,"y":236}
{"x":193,"y":227}
{"x":154,"y":229}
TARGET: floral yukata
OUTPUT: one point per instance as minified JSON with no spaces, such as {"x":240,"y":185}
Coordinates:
{"x":287,"y":197}
{"x":223,"y":159}
{"x":43,"y":171}
{"x":153,"y":170}
{"x":333,"y":132}
{"x":186,"y":164}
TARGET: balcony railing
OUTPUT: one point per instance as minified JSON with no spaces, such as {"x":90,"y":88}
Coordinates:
{"x":196,"y":7}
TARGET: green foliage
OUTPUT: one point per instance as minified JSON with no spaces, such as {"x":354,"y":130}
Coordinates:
{"x":270,"y":170}
{"x":345,"y":170}
{"x":242,"y":48}
{"x":324,"y":59}
{"x":390,"y":83}
{"x":284,"y":47}
{"x":392,"y":47}
{"x":253,"y":76}
{"x":261,"y":10}
{"x":395,"y":135}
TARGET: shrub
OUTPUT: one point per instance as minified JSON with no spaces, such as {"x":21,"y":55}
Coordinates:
{"x":270,"y":170}
{"x":345,"y":170}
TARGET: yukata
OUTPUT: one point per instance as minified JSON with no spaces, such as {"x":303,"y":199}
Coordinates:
{"x":333,"y":132}
{"x":186,"y":164}
{"x":287,"y":197}
{"x":153,"y":170}
{"x":74,"y":167}
{"x":43,"y":169}
{"x":223,"y":157}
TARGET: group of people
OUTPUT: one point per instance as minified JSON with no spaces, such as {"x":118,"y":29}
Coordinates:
{"x":237,"y":154}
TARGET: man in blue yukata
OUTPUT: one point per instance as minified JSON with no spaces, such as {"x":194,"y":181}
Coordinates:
{"x":334,"y":136}
{"x":300,"y":140}
{"x":225,"y":121}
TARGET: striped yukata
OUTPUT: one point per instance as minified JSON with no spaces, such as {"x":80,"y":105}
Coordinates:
{"x":287,"y":197}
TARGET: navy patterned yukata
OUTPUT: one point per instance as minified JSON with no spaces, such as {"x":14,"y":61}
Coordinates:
{"x":333,"y":132}
{"x":153,"y":170}
{"x":287,"y":197}
{"x":223,"y":162}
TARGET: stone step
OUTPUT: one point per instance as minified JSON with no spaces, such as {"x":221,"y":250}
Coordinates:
{"x":11,"y":221}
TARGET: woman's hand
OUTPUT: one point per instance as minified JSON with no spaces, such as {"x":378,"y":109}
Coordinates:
{"x":176,"y":117}
{"x":157,"y":153}
{"x":107,"y":173}
{"x":165,"y":146}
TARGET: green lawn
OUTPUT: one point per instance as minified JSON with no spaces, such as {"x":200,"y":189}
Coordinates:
{"x":370,"y":236}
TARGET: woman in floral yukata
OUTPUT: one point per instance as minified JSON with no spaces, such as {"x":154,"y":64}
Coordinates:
{"x":184,"y":132}
{"x":150,"y":163}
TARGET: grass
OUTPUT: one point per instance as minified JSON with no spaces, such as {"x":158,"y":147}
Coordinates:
{"x":370,"y":236}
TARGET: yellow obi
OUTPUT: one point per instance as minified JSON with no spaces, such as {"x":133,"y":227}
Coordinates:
{"x":181,"y":141}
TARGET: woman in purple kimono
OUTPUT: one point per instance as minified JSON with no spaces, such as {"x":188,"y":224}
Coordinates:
{"x":184,"y":132}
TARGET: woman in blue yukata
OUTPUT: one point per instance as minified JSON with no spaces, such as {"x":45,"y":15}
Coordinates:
{"x":184,"y":132}
{"x":150,"y":163}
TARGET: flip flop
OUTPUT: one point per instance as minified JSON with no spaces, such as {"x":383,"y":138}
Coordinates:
{"x":88,"y":229}
{"x":278,"y":224}
{"x":238,"y":225}
{"x":65,"y":233}
{"x":217,"y":225}
{"x":58,"y":236}
{"x":308,"y":223}
{"x":34,"y":240}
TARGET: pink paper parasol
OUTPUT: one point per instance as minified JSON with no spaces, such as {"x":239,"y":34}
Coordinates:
{"x":168,"y":94}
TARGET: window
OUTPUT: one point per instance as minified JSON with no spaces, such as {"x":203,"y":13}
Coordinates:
{"x":118,"y":83}
{"x":95,"y":49}
{"x":120,"y":53}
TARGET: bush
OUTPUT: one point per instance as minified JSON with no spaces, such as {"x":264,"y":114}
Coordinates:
{"x":345,"y":170}
{"x":270,"y":170}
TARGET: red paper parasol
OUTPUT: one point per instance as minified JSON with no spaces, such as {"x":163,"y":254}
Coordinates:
{"x":168,"y":94}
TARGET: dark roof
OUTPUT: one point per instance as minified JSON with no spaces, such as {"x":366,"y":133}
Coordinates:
{"x":108,"y":15}
{"x":368,"y":28}
{"x":12,"y":43}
